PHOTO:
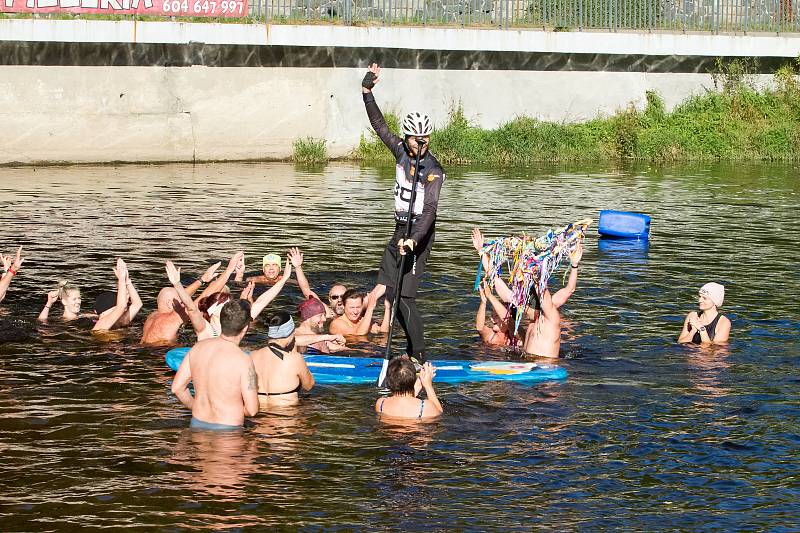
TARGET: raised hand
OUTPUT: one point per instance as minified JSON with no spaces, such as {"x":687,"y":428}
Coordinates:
{"x":477,"y":239}
{"x":577,"y":254}
{"x":247,"y":292}
{"x":296,"y":257}
{"x":371,"y":78}
{"x":210,"y":273}
{"x":287,"y":268}
{"x":372,"y":300}
{"x":7,"y":262}
{"x":18,"y":259}
{"x":174,"y":274}
{"x":121,"y":270}
{"x":483,"y":290}
{"x":52,"y":296}
{"x":235,"y":259}
{"x":426,"y":375}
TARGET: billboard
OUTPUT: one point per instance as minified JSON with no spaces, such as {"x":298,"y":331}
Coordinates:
{"x":167,"y":8}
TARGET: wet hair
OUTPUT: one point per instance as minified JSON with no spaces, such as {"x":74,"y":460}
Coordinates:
{"x":352,"y":294}
{"x":105,"y":300}
{"x":401,"y":376}
{"x":65,"y":287}
{"x":278,"y":318}
{"x":206,"y":302}
{"x":234,"y":317}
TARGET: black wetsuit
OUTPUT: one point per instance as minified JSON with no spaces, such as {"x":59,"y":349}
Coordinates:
{"x":710,"y":329}
{"x":429,"y":184}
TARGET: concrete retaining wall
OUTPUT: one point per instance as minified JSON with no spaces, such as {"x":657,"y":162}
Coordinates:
{"x":212,"y":108}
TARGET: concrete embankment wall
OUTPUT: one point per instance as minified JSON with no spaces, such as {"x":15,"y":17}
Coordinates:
{"x":98,"y":91}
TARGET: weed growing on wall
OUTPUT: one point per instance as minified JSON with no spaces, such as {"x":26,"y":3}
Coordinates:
{"x":310,"y":151}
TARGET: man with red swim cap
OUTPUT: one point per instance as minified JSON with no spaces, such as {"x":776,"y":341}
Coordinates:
{"x":313,"y":316}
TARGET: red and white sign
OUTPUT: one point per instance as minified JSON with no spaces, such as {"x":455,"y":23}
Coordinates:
{"x":168,"y":8}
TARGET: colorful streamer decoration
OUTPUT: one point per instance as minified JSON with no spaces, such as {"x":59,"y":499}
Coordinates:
{"x":529,"y":262}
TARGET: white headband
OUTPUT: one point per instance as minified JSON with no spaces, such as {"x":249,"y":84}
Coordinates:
{"x":216,"y":307}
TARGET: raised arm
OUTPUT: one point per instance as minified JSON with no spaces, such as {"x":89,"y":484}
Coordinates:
{"x":426,"y":375}
{"x":387,"y":317}
{"x":365,"y":324}
{"x":195,"y":316}
{"x":52,"y":296}
{"x":499,"y":285}
{"x":480,"y":317}
{"x":11,"y":268}
{"x":222,"y":280}
{"x":270,"y":294}
{"x":107,"y":322}
{"x":562,"y":295}
{"x":134,"y":306}
{"x":376,"y":120}
{"x":296,"y":257}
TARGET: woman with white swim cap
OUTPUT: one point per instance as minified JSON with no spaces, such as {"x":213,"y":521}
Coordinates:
{"x":707,"y":326}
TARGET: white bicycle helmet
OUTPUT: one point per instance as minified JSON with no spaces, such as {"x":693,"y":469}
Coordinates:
{"x":417,"y":125}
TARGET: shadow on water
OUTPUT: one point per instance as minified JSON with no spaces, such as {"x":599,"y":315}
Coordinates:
{"x":643,"y":435}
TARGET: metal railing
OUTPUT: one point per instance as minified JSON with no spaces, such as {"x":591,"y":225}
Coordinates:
{"x":716,"y":16}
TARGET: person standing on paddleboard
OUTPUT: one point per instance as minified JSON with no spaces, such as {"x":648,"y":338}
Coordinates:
{"x":428,"y":180}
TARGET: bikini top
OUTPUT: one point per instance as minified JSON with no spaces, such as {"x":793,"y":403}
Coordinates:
{"x":421,"y":407}
{"x":279,"y":353}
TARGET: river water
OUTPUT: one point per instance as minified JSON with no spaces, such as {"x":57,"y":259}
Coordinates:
{"x":644,"y":434}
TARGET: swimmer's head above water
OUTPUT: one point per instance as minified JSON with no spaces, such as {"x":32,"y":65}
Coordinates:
{"x":711,"y":294}
{"x":401,"y":376}
{"x":271,"y":265}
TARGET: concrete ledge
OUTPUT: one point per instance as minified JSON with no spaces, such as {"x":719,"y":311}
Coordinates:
{"x":401,"y":37}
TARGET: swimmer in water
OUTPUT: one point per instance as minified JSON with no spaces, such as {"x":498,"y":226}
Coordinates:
{"x":162,"y":325}
{"x":357,"y":317}
{"x":312,"y":314}
{"x":401,"y":379}
{"x":11,"y":266}
{"x":707,"y":326}
{"x":543,"y":334}
{"x":116,"y":310}
{"x":271,"y":268}
{"x":498,"y":333}
{"x":335,"y":305}
{"x":224,"y":378}
{"x":70,"y":297}
{"x":282,"y":370}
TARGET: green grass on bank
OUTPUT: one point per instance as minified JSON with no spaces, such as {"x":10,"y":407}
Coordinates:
{"x":736,"y":122}
{"x":310,"y":152}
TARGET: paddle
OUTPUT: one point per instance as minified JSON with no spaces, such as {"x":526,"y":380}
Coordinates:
{"x":398,"y":285}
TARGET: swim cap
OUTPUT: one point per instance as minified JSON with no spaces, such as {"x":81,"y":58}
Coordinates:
{"x":714,"y":292}
{"x":105,"y":301}
{"x":271,"y":259}
{"x":282,"y":331}
{"x":310,"y":307}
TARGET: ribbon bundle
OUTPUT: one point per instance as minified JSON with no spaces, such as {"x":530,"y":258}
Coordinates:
{"x":528,"y":261}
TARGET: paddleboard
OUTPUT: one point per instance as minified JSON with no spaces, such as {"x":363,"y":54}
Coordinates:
{"x":357,"y":370}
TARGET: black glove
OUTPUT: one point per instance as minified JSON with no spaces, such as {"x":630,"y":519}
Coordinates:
{"x":369,"y":80}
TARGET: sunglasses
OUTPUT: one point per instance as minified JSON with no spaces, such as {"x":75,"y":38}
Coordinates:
{"x":335,"y":296}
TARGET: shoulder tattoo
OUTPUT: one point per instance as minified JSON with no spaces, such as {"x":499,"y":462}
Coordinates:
{"x":252,"y":379}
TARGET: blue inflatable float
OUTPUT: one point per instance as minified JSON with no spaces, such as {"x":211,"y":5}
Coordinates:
{"x":330,"y":369}
{"x":623,"y":225}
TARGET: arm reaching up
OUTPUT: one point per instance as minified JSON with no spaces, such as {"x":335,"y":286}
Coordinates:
{"x":269,"y":295}
{"x":222,"y":280}
{"x":107,"y":322}
{"x":11,"y":269}
{"x":562,"y":295}
{"x":195,"y":316}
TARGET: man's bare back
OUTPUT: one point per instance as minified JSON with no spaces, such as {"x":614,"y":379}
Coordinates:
{"x":225,"y":382}
{"x":543,"y":336}
{"x":161,"y":328}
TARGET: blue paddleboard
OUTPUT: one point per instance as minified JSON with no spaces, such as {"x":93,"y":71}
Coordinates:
{"x":339,"y":369}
